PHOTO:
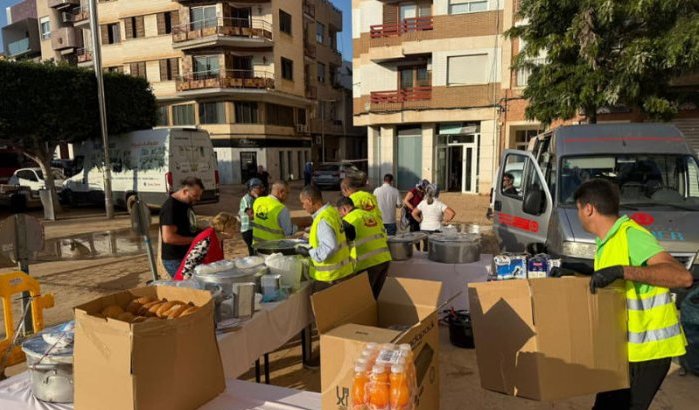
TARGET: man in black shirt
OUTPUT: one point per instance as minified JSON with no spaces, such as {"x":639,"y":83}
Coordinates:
{"x":178,"y":224}
{"x":263,"y":176}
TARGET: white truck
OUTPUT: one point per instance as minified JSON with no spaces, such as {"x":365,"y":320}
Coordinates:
{"x":150,"y":163}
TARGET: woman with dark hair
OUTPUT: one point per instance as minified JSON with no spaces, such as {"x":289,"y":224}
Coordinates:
{"x":412,"y":200}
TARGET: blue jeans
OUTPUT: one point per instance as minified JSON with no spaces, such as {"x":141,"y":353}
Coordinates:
{"x":171,"y":266}
{"x":390,"y":228}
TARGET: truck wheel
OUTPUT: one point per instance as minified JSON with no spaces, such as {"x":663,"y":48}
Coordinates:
{"x":131,"y":204}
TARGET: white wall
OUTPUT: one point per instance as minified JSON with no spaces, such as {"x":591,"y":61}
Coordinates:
{"x":367,"y":14}
{"x":441,"y":7}
{"x":440,"y":59}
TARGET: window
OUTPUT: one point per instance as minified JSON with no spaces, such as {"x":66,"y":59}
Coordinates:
{"x":205,"y":66}
{"x":212,"y":113}
{"x":320,"y":33}
{"x":321,"y":73}
{"x":166,"y":21}
{"x":138,"y":69}
{"x":333,"y":74}
{"x":110,"y":33}
{"x":333,"y":39}
{"x":411,"y":77}
{"x":301,"y":116}
{"x":183,"y":114}
{"x":169,"y":69}
{"x":522,"y":138}
{"x":45,"y":28}
{"x":467,"y":6}
{"x":246,"y":113}
{"x":163,"y":112}
{"x":203,"y":17}
{"x":466,"y":70}
{"x":114,"y":69}
{"x":511,"y":184}
{"x":287,"y":69}
{"x":134,"y":27}
{"x":280,"y":115}
{"x":284,"y":22}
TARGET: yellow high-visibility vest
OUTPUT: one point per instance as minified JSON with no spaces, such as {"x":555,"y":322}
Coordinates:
{"x":370,"y":246}
{"x":654,"y":328}
{"x":366,"y":201}
{"x":340,"y":263}
{"x":265,"y":225}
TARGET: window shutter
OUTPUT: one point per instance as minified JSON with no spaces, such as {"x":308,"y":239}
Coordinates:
{"x":104,"y":33}
{"x":174,"y":18}
{"x":161,"y":23}
{"x":128,"y":27}
{"x":163,"y":68}
{"x":142,"y":69}
{"x":133,"y":68}
{"x":174,"y":68}
{"x":465,"y":70}
{"x":140,"y":27}
{"x":390,"y":14}
{"x":425,"y":9}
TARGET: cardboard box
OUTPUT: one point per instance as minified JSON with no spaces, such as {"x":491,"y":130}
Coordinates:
{"x":549,"y":339}
{"x":164,"y":364}
{"x":347,"y":317}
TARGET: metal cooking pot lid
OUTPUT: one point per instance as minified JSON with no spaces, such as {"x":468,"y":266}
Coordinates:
{"x":37,"y":347}
{"x":249,"y":262}
{"x":408,"y":237}
{"x":226,"y":274}
{"x":455,"y":238}
{"x":278,"y":244}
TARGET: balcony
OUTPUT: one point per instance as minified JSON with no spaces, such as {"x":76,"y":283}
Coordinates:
{"x":319,"y":126}
{"x":309,"y":10}
{"x":397,"y":99}
{"x":406,"y":26}
{"x":232,"y":32}
{"x":62,"y":4}
{"x":309,"y":50}
{"x":82,"y":17}
{"x":225,"y":79}
{"x":18,"y":47}
{"x":311,"y":92}
{"x":84,"y":57}
{"x":65,"y":38}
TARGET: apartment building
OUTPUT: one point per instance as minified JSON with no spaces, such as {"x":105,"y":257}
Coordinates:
{"x":428,"y":77}
{"x":259,"y":75}
{"x":20,"y":36}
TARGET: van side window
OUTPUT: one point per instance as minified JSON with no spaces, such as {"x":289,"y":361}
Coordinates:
{"x":511,"y":184}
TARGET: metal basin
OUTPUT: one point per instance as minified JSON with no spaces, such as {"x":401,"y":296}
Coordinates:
{"x":51,"y":369}
{"x":283,"y":246}
{"x":401,"y":246}
{"x":455,"y":248}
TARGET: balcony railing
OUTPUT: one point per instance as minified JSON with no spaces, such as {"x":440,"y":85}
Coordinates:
{"x":225,"y":79}
{"x":309,"y":9}
{"x":402,"y":96}
{"x":83,"y":14}
{"x":311,"y":92}
{"x":405,"y":26}
{"x":309,"y":50}
{"x":62,"y":3}
{"x":83,"y":55}
{"x":18,"y":47}
{"x":222,"y":26}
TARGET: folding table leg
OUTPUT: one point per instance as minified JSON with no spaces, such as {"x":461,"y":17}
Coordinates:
{"x":266,"y":368}
{"x":257,"y":371}
{"x":306,"y":344}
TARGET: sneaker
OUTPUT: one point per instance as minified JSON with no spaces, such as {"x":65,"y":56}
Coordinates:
{"x":312,"y":364}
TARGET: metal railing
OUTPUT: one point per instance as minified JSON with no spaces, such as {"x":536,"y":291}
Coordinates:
{"x":311,"y":92}
{"x":404,"y":26}
{"x":83,"y":55}
{"x":223,"y":26}
{"x":401,"y":96}
{"x":309,"y":50}
{"x":225,"y":79}
{"x":18,"y":47}
{"x":83,"y":13}
{"x":309,"y":9}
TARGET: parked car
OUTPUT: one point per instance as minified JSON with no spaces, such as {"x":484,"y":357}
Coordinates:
{"x":34,"y":179}
{"x":328,"y":175}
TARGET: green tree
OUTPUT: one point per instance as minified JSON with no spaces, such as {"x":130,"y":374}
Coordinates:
{"x":44,"y":105}
{"x":605,"y":53}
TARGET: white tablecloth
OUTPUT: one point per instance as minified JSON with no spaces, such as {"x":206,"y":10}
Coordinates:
{"x":268,"y":329}
{"x":455,"y":277}
{"x":15,"y":394}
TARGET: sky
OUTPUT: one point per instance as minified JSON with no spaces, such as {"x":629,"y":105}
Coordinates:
{"x":345,"y":40}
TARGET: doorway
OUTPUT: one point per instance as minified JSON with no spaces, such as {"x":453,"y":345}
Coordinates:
{"x":248,"y":165}
{"x":456,"y":168}
{"x":457,"y":163}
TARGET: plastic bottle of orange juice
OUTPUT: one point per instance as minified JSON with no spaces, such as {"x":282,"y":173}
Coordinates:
{"x":379,"y":389}
{"x":400,"y":390}
{"x":406,"y":352}
{"x":358,"y":393}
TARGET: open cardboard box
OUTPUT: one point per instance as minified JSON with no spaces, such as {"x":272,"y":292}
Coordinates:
{"x":549,"y":339}
{"x":162,"y":364}
{"x":348,"y":317}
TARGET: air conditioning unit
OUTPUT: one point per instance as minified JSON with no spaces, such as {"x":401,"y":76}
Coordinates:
{"x":302,"y":128}
{"x":67,"y":17}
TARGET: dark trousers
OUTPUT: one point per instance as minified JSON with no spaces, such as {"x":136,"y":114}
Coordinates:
{"x":377,"y":277}
{"x":645,"y":377}
{"x":247,"y":238}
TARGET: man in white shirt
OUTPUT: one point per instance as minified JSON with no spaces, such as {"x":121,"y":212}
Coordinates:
{"x":389,"y":200}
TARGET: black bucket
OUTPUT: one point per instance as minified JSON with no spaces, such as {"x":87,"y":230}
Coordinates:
{"x":460,"y":329}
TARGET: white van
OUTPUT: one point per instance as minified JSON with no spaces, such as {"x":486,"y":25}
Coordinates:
{"x":150,"y":163}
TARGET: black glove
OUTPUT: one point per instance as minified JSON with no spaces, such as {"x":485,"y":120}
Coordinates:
{"x":303,"y":250}
{"x":558,"y":272}
{"x":604,"y":277}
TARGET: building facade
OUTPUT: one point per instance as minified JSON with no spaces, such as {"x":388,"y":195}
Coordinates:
{"x":20,"y":36}
{"x":261,"y":76}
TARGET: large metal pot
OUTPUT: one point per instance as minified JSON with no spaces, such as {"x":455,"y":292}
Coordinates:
{"x":455,"y":248}
{"x":225,"y":279}
{"x":51,"y":368}
{"x":283,"y":246}
{"x":401,"y":246}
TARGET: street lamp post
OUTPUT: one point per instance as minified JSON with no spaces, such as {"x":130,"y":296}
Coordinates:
{"x":97,"y":61}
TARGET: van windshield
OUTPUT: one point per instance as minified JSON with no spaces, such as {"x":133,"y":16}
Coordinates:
{"x":663,"y":180}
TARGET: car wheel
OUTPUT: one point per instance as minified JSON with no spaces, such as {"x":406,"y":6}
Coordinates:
{"x":68,"y":197}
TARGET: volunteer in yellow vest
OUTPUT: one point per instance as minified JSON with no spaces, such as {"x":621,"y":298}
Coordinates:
{"x":329,"y":251}
{"x":351,"y":188}
{"x":368,"y":243}
{"x":271,"y":218}
{"x":628,"y":256}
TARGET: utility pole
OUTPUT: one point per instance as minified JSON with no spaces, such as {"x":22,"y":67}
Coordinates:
{"x":97,"y":61}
